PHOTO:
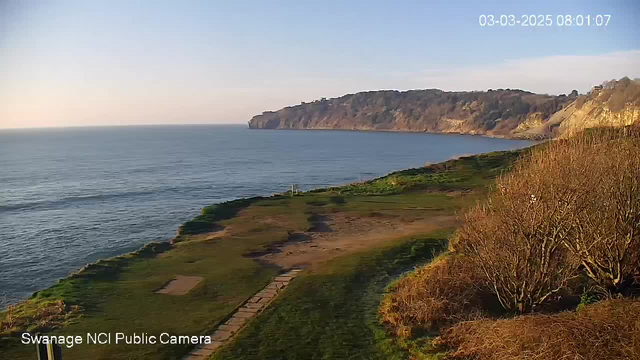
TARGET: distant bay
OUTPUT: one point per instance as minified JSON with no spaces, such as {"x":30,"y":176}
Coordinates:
{"x":72,"y":196}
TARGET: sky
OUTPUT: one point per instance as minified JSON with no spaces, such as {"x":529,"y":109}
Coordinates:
{"x":134,"y":62}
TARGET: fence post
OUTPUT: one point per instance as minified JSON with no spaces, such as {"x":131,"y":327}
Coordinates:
{"x":42,"y":351}
{"x":49,"y":351}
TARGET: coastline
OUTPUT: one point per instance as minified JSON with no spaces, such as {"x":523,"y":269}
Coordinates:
{"x":124,"y":285}
{"x":144,"y":249}
{"x":98,"y":219}
{"x":155,"y":248}
{"x":490,"y":136}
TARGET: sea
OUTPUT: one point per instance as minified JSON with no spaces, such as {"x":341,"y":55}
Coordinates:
{"x":72,"y":196}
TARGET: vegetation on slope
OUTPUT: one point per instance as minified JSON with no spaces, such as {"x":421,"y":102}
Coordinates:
{"x":463,"y":173}
{"x":616,"y":94}
{"x":561,"y":227}
{"x":213,"y":214}
{"x":441,"y":293}
{"x":502,"y":113}
{"x":492,"y":112}
{"x":607,"y":330}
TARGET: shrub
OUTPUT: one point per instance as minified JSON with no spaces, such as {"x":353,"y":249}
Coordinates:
{"x":515,"y":239}
{"x":607,"y":330}
{"x":607,"y":229}
{"x":437,"y":294}
{"x":569,"y":204}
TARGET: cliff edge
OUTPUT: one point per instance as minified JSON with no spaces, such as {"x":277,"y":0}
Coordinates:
{"x":499,"y":113}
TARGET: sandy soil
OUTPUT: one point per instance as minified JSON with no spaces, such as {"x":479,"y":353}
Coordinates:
{"x":181,"y":285}
{"x":337,"y":234}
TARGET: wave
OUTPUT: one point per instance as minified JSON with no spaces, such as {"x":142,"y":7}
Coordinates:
{"x":63,"y":202}
{"x":70,"y":200}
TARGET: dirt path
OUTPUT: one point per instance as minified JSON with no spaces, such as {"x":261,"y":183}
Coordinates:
{"x":338,"y":234}
{"x":329,"y":236}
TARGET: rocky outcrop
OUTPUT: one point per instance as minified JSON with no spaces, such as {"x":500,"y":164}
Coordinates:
{"x":614,"y":104}
{"x":498,"y":113}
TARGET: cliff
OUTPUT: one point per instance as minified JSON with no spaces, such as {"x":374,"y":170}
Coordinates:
{"x":498,"y":113}
{"x":615,"y":103}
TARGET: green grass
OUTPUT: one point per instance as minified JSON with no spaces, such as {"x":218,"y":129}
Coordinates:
{"x":212,"y":214}
{"x":464,"y":172}
{"x":126,"y":303}
{"x":332,"y":313}
{"x":117,"y":295}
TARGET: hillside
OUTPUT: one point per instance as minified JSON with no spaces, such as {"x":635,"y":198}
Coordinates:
{"x":614,"y":103}
{"x":498,"y":113}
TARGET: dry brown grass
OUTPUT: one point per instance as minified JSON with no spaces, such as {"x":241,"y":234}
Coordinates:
{"x":569,"y":204}
{"x":36,"y":315}
{"x":568,"y":211}
{"x":606,"y":330}
{"x":607,"y":231}
{"x":440,"y":293}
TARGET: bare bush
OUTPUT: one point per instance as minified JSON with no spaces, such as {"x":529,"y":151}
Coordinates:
{"x":570,"y":204}
{"x":607,"y":232}
{"x":606,"y":330}
{"x":516,"y":238}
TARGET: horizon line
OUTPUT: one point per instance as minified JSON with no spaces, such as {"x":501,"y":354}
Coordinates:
{"x":114,"y":126}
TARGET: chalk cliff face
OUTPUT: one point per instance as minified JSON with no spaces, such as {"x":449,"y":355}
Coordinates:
{"x":617,"y":104}
{"x":613,"y":104}
{"x":498,"y":113}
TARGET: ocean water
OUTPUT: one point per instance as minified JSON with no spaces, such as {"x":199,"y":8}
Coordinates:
{"x":72,"y":196}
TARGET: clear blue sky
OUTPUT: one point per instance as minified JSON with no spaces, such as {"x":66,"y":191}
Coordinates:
{"x":78,"y":62}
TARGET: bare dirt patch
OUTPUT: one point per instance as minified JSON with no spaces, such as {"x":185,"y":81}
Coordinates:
{"x":210,"y":235}
{"x":181,"y":285}
{"x":342,"y":233}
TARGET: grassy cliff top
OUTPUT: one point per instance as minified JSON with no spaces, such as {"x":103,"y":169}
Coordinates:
{"x":404,"y":215}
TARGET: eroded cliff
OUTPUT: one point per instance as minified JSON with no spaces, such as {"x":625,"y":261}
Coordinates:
{"x":498,"y":113}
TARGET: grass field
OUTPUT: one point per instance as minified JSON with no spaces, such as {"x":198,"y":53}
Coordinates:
{"x":331,"y":313}
{"x":327,"y":313}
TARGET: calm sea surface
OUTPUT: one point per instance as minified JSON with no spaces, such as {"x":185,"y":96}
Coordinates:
{"x":72,"y":196}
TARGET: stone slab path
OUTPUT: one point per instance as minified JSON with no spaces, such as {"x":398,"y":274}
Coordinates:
{"x":250,"y":309}
{"x":181,"y":285}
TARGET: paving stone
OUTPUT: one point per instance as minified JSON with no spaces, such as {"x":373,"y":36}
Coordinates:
{"x":201,"y":352}
{"x":230,"y":328}
{"x":221,"y":335}
{"x":194,"y":357}
{"x":236,"y":321}
{"x":247,"y":310}
{"x":264,"y":300}
{"x":243,"y":315}
{"x":214,"y":345}
{"x":267,"y":293}
{"x":254,"y":306}
{"x":254,"y":299}
{"x":267,"y":296}
{"x":283,"y":278}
